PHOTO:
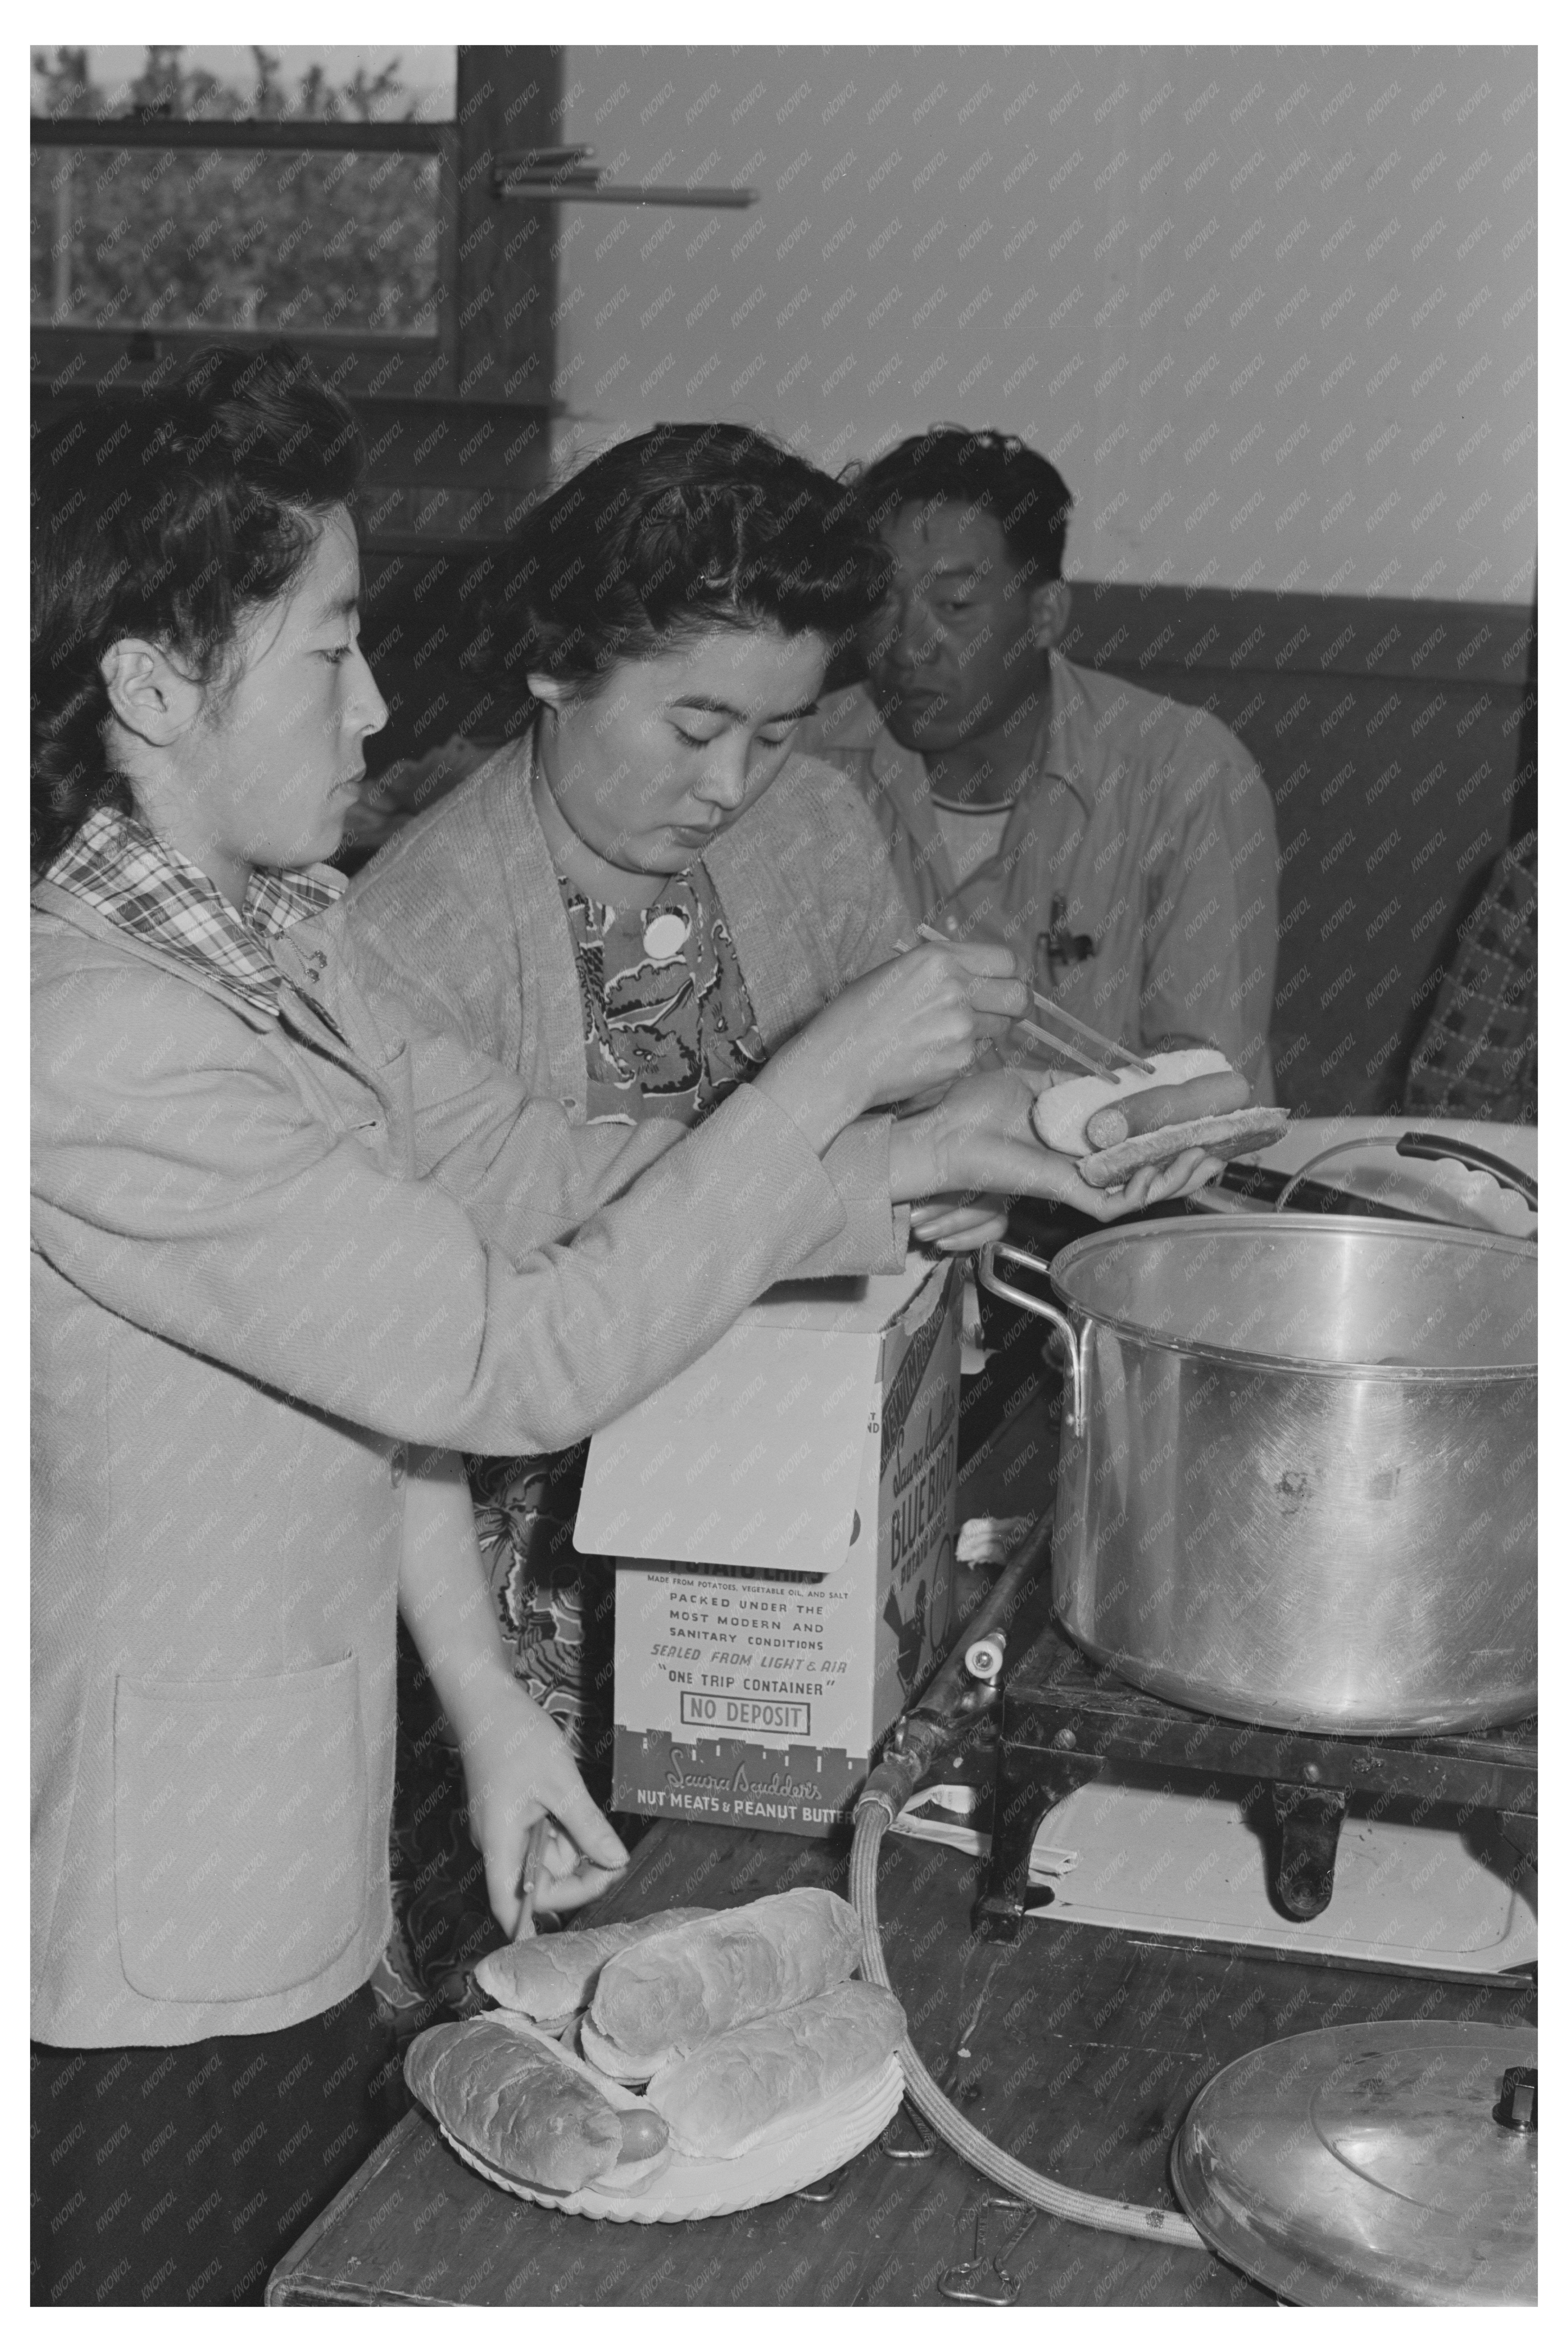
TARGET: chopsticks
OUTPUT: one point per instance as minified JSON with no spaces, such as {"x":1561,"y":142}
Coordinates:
{"x":1060,"y":1046}
{"x":533,"y":1860}
{"x":1116,"y":1054}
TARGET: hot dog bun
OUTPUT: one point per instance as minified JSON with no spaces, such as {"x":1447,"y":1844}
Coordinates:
{"x":510,"y":2094}
{"x":658,"y":2000}
{"x":1062,"y":1113}
{"x":603,"y":2056}
{"x":552,"y":1978}
{"x":723,"y":2098}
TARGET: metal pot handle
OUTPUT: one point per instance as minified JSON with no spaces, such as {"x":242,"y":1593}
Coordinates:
{"x":1471,"y":1155}
{"x":1416,"y":1146}
{"x":1059,"y":1324}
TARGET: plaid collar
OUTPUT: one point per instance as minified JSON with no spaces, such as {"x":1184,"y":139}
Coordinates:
{"x":118,"y":866}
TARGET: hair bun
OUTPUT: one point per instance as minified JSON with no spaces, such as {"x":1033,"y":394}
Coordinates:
{"x":682,"y":530}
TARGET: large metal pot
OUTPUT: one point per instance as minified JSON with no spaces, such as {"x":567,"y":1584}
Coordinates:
{"x":1298,"y":1467}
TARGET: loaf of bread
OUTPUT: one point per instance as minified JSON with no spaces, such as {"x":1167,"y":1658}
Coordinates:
{"x":1062,"y":1113}
{"x":531,"y":2111}
{"x":658,"y":2000}
{"x":723,"y":2096}
{"x":552,"y":1978}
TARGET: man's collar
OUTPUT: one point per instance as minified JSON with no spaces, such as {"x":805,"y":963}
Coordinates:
{"x":891,"y":763}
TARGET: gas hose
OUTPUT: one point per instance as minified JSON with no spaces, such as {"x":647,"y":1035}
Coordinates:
{"x":948,"y":1706}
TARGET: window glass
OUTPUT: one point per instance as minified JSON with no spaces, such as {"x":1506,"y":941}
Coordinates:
{"x":417,"y":85}
{"x":278,"y":241}
{"x":286,"y":241}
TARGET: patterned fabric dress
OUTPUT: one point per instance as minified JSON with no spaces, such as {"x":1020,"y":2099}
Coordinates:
{"x":670,"y":1031}
{"x":668,"y":1022}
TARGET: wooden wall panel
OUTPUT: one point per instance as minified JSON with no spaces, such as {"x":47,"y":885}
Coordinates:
{"x":446,"y":474}
{"x":506,"y":252}
{"x":1388,"y":735}
{"x":437,"y":634}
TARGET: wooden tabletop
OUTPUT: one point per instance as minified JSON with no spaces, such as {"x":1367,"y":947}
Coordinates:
{"x":1076,"y":2048}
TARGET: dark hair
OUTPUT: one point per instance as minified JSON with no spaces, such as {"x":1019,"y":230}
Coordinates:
{"x":994,"y":473}
{"x":682,"y":530}
{"x":166,"y":516}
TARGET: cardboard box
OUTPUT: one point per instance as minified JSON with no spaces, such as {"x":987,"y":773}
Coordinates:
{"x":782,"y":1515}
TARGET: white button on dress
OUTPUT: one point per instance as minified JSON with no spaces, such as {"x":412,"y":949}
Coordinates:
{"x":665,"y":934}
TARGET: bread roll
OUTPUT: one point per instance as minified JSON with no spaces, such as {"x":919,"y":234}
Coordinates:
{"x":550,"y":1977}
{"x":659,"y":2000}
{"x":605,"y":2058}
{"x":727,"y":2094}
{"x":527,"y":2108}
{"x":1062,"y":1113}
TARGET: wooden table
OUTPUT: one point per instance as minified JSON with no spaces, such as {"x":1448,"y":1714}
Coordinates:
{"x":1077,"y":2048}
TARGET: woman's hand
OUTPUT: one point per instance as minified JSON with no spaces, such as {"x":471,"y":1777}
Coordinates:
{"x":914,"y":1022}
{"x":519,"y":1768}
{"x":959,"y":1225}
{"x":978,"y":1138}
{"x":516,"y":1763}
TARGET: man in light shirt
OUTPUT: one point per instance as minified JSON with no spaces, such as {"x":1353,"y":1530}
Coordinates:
{"x":1122,"y":843}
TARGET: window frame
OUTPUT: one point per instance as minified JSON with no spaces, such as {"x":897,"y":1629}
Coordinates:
{"x":393,"y":359}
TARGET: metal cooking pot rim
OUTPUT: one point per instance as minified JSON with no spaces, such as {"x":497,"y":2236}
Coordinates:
{"x":1221,"y":1235}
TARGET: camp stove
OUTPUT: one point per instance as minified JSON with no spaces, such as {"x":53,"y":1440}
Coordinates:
{"x":1393,"y":2160}
{"x":1065,"y":1723}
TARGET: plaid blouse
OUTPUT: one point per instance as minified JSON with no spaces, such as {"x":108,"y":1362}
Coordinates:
{"x":118,"y":866}
{"x":1476,"y":1058}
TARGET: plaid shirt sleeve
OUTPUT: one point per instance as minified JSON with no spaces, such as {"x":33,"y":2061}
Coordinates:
{"x":1476,"y":1058}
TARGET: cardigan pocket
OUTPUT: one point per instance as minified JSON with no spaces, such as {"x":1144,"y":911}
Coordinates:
{"x":241,"y":1836}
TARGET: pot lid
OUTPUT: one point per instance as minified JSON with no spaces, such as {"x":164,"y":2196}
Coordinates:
{"x":1368,"y":2164}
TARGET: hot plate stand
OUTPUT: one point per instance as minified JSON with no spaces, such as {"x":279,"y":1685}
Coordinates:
{"x":1064,"y":1720}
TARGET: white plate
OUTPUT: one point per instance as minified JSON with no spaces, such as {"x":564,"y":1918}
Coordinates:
{"x":794,"y":2154}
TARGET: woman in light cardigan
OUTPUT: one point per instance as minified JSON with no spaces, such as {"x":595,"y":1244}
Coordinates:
{"x":642,"y":900}
{"x":289,"y":1251}
{"x":645,"y":896}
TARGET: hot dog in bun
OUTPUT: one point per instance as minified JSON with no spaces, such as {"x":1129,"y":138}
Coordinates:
{"x":1114,"y":1125}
